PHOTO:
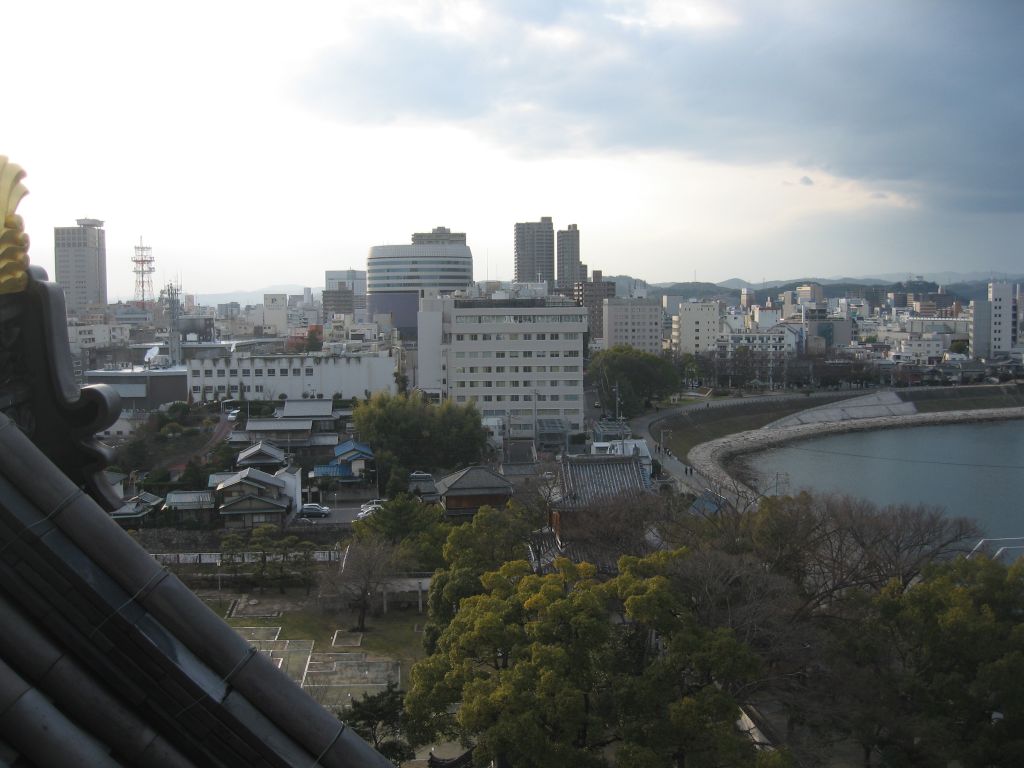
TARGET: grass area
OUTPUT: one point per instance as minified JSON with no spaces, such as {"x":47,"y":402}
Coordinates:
{"x":695,"y":427}
{"x":960,"y":404}
{"x":390,"y":635}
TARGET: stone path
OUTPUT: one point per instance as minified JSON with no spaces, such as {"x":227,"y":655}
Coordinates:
{"x":875,"y":405}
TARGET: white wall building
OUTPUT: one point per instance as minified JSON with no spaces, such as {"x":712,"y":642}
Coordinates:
{"x":519,"y":359}
{"x":635,"y":323}
{"x":275,"y":314}
{"x":298,"y":375}
{"x":696,"y":327}
{"x":1003,"y":299}
{"x":96,"y":336}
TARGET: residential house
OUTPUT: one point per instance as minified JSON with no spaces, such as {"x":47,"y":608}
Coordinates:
{"x":252,"y":497}
{"x":195,"y":508}
{"x":462,"y":493}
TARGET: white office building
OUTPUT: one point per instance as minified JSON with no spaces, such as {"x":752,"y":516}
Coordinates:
{"x":518,"y":359}
{"x":293,"y":376}
{"x":695,"y":328}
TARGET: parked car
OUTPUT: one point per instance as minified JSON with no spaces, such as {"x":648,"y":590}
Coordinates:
{"x":315,"y":510}
{"x":233,"y":415}
{"x":372,"y":503}
{"x":367,"y":511}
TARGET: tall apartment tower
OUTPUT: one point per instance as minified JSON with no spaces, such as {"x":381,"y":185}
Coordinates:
{"x":80,"y":256}
{"x":570,"y":269}
{"x":1002,"y":298}
{"x":535,"y":251}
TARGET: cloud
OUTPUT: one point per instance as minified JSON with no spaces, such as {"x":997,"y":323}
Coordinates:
{"x":806,"y":181}
{"x":919,"y":96}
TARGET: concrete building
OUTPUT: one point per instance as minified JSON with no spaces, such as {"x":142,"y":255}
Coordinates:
{"x":635,"y":323}
{"x":398,"y":276}
{"x":518,"y":359}
{"x":275,"y":314}
{"x":143,"y":388}
{"x":96,"y":335}
{"x":80,"y":264}
{"x":1002,"y":298}
{"x":570,"y":268}
{"x":535,"y":251}
{"x":979,"y":330}
{"x":591,"y":294}
{"x":353,"y":280}
{"x":695,"y":329}
{"x":299,"y":375}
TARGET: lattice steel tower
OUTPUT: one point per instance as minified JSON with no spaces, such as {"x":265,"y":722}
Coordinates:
{"x":144,"y":267}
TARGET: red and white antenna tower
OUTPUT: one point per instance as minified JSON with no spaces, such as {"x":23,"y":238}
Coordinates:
{"x":144,"y":265}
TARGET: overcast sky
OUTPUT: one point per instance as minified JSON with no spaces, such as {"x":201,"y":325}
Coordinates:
{"x":255,"y":143}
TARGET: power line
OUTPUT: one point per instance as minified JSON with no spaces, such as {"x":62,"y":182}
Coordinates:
{"x":906,"y":461}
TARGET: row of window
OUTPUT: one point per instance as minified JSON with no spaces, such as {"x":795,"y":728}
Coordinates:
{"x":196,"y":388}
{"x":477,"y":319}
{"x":518,"y":368}
{"x":233,"y":372}
{"x":516,"y":336}
{"x":526,"y":353}
{"x":515,"y":383}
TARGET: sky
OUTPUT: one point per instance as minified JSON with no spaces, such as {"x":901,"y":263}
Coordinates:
{"x":252,"y":143}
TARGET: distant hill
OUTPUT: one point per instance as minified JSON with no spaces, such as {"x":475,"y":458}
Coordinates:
{"x":705,"y":291}
{"x":249,"y":297}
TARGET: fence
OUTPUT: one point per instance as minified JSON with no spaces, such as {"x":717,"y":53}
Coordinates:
{"x":216,"y":558}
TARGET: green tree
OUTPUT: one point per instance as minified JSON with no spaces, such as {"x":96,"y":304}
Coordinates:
{"x":640,"y":376}
{"x":379,"y":719}
{"x":412,"y":433}
{"x":314,"y":340}
{"x":548,"y":670}
{"x":417,"y":530}
{"x":262,"y":541}
{"x":933,"y":671}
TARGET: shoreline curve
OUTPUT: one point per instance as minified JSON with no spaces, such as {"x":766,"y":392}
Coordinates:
{"x":709,"y":458}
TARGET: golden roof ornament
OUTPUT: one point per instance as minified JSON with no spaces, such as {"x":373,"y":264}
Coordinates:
{"x":13,"y":240}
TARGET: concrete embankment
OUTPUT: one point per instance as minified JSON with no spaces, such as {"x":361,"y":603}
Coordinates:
{"x":710,"y":458}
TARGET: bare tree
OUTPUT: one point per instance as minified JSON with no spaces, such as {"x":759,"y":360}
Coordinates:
{"x":366,"y":564}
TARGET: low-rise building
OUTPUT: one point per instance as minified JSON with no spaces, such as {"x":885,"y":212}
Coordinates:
{"x":296,"y":376}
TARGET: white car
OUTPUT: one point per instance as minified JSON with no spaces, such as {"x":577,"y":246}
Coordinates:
{"x":372,"y":504}
{"x":365,"y":513}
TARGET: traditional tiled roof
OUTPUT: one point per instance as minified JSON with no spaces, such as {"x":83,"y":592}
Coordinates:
{"x":189,"y":500}
{"x":278,"y":425}
{"x":353,"y":447}
{"x":473,"y":481}
{"x":589,"y":479}
{"x":333,"y":470}
{"x":252,"y":475}
{"x":316,"y":409}
{"x":259,"y":450}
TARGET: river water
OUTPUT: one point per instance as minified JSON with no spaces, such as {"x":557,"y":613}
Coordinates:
{"x":973,"y":470}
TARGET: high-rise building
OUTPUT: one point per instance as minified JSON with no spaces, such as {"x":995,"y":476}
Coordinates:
{"x":570,"y":269}
{"x":592,"y":295}
{"x":535,"y":251}
{"x":398,"y":276}
{"x":80,"y":261}
{"x":1003,"y":334}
